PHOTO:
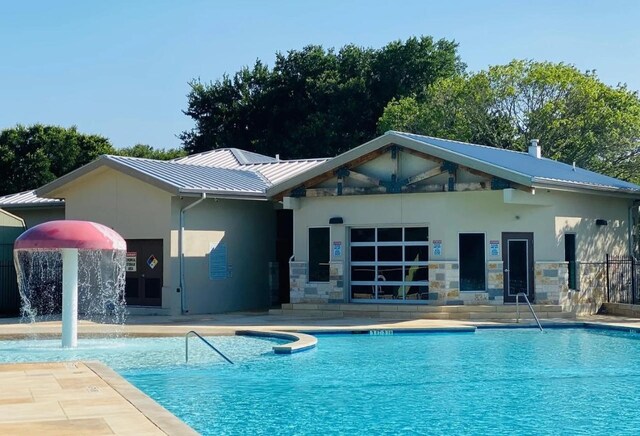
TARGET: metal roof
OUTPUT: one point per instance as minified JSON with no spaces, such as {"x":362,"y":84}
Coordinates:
{"x":174,"y":177}
{"x":195,"y":178}
{"x":222,"y":172}
{"x":540,"y":170}
{"x":272,"y":169}
{"x":225,"y":158}
{"x":518,"y":167}
{"x":29,"y":199}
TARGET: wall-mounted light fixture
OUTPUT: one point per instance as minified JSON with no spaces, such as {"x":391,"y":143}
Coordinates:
{"x":336,"y":220}
{"x":601,"y":222}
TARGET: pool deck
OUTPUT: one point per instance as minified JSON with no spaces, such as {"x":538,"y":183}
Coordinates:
{"x":90,"y":398}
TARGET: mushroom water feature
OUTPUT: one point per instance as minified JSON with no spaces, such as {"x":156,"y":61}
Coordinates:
{"x":75,"y":266}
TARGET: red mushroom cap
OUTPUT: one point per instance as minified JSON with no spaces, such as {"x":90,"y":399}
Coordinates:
{"x":84,"y":235}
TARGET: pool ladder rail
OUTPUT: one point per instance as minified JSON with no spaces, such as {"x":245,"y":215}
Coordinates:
{"x":522,"y":294}
{"x":186,"y":346}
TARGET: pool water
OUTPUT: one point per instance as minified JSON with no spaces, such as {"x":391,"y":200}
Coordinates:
{"x":499,"y":382}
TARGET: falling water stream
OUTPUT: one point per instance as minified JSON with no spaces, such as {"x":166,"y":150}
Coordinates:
{"x":101,"y":282}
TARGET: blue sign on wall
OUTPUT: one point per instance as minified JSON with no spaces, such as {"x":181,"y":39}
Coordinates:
{"x":218,"y":262}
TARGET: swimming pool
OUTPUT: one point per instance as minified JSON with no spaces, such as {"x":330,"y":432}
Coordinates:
{"x":511,"y":381}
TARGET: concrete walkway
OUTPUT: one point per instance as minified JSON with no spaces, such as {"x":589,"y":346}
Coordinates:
{"x":77,"y":398}
{"x":89,"y":398}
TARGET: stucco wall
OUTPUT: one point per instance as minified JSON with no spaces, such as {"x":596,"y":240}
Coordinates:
{"x":248,"y":230}
{"x":131,"y":207}
{"x":547,"y":214}
{"x":33,"y":216}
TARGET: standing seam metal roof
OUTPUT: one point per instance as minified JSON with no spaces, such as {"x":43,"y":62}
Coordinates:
{"x":195,"y":177}
{"x":28,"y":198}
{"x":538,"y":169}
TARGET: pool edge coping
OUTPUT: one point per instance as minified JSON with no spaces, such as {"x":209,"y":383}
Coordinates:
{"x":299,"y":341}
{"x":162,"y":418}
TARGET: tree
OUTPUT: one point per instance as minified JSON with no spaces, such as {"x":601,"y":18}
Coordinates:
{"x":31,"y":156}
{"x":314,"y":102}
{"x":148,"y":152}
{"x":35,"y":155}
{"x":576,"y":117}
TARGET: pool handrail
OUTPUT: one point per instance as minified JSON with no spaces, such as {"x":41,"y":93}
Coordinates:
{"x":530,"y":308}
{"x":186,"y":346}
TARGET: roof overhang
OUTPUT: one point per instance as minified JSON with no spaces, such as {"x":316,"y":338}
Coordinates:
{"x":389,"y":139}
{"x":55,"y":188}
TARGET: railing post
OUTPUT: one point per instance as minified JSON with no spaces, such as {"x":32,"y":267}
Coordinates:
{"x":633,"y":280}
{"x":607,"y":272}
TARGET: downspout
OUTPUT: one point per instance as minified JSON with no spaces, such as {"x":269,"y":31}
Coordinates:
{"x":183,"y":293}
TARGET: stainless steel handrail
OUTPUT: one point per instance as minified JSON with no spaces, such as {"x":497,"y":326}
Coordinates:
{"x":186,"y":346}
{"x":530,"y":308}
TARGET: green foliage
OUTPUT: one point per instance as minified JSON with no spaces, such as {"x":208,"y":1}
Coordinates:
{"x":34,"y":155}
{"x":314,"y":102}
{"x":148,"y":152}
{"x":31,"y":156}
{"x":576,"y":117}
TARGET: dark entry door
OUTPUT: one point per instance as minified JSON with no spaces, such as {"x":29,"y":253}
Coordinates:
{"x":284,"y":250}
{"x":144,"y":272}
{"x":517,"y":255}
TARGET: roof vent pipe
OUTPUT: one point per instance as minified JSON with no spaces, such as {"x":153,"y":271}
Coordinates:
{"x":534,"y":149}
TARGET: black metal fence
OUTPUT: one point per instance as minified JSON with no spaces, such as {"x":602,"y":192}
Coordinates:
{"x":9,"y":296}
{"x":622,"y":279}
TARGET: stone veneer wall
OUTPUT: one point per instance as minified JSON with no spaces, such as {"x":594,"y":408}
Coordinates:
{"x":591,"y":292}
{"x":304,"y":292}
{"x":444,"y":283}
{"x":551,"y":280}
{"x":495,"y":282}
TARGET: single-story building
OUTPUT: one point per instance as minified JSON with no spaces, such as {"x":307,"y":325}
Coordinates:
{"x":402,"y":219}
{"x":413,"y":219}
{"x":201,"y":235}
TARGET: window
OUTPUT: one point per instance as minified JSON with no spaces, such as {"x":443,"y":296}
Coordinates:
{"x":389,"y":263}
{"x":472,"y":262}
{"x":319,"y":254}
{"x":570,"y":257}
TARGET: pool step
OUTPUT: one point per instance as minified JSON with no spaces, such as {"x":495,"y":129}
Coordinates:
{"x":388,"y":311}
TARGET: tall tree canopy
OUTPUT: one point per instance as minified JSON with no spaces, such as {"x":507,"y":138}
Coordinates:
{"x":576,"y":117}
{"x":31,"y":156}
{"x":148,"y":152}
{"x":314,"y":102}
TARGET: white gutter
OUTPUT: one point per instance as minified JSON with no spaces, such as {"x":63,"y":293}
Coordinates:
{"x":183,"y":293}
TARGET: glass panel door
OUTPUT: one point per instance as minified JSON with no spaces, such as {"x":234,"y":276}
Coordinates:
{"x":389,"y":264}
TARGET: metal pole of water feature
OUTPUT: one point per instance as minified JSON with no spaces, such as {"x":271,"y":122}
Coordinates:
{"x":69,"y":297}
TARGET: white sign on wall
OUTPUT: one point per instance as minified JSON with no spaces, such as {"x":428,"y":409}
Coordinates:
{"x":132,"y":261}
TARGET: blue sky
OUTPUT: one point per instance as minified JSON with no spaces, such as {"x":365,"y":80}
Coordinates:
{"x":120,"y":68}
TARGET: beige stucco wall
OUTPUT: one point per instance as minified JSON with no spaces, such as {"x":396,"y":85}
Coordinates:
{"x":449,"y":213}
{"x":248,"y":229}
{"x":549,"y":215}
{"x":33,"y":216}
{"x":136,"y":210}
